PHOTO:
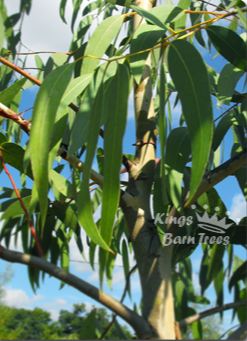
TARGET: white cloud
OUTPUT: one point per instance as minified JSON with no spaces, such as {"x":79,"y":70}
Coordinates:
{"x":60,"y":301}
{"x":43,"y":29}
{"x":238,"y":207}
{"x":19,"y":299}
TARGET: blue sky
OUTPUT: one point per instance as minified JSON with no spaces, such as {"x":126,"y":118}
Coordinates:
{"x":56,"y":36}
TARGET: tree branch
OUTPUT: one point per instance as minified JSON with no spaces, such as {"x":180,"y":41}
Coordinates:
{"x":10,"y":114}
{"x":218,"y":174}
{"x":73,"y":160}
{"x":127,"y":283}
{"x":211,"y":311}
{"x":20,"y":71}
{"x":140,"y":326}
{"x":211,"y":179}
{"x":240,"y":333}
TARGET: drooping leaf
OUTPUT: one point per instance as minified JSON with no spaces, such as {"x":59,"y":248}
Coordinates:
{"x":7,"y":95}
{"x":190,"y":76}
{"x":125,"y":255}
{"x":239,"y":274}
{"x":1,"y":31}
{"x":221,"y":129}
{"x":181,"y":18}
{"x":113,"y":136}
{"x":45,"y":109}
{"x":99,"y":42}
{"x":197,"y":331}
{"x":62,"y":8}
{"x":125,"y":3}
{"x":75,"y":88}
{"x":60,"y":183}
{"x":241,"y":311}
{"x":178,"y":148}
{"x":12,"y":20}
{"x":15,"y":209}
{"x":166,"y":13}
{"x":85,"y":212}
{"x":80,"y":126}
{"x":13,"y":154}
{"x":115,"y":118}
{"x":26,"y":6}
{"x":219,"y":286}
{"x":174,"y":186}
{"x":3,"y":138}
{"x":146,"y":36}
{"x":149,"y":16}
{"x":229,"y":44}
{"x":66,"y":214}
{"x":228,"y":79}
{"x":76,"y":10}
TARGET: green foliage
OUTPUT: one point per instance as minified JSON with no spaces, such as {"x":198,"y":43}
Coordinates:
{"x":26,"y":324}
{"x":191,"y":80}
{"x":229,"y":44}
{"x":37,"y":324}
{"x":44,"y":117}
{"x":88,"y":91}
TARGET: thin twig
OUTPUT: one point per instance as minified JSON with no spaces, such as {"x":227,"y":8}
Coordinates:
{"x":211,"y":311}
{"x":226,"y":111}
{"x":20,"y":71}
{"x":69,"y":53}
{"x":164,"y":42}
{"x":215,"y":6}
{"x":10,"y":114}
{"x":218,"y":174}
{"x":71,"y":159}
{"x":24,"y":208}
{"x":109,"y":326}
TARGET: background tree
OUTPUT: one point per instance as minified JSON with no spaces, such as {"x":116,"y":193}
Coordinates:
{"x":153,"y":52}
{"x":37,"y":324}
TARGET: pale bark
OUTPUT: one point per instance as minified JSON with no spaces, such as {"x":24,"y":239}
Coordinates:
{"x":211,"y":311}
{"x":154,"y":263}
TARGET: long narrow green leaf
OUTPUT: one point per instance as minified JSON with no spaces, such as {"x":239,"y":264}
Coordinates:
{"x":1,"y":31}
{"x":227,"y":82}
{"x":113,"y":136}
{"x":189,"y":74}
{"x":166,"y":12}
{"x":100,"y":41}
{"x":15,"y":210}
{"x":75,"y":88}
{"x":146,"y":36}
{"x":149,"y":16}
{"x":162,"y":126}
{"x":229,"y":44}
{"x":85,"y":210}
{"x":62,"y":8}
{"x":7,"y":95}
{"x":45,"y":109}
{"x":79,"y":131}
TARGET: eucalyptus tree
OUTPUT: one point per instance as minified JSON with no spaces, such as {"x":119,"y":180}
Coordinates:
{"x":70,"y":154}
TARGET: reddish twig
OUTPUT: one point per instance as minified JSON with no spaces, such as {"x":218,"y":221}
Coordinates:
{"x":10,"y":114}
{"x":20,"y":71}
{"x":27,"y":215}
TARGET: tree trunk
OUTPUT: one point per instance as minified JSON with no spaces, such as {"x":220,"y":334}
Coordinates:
{"x":153,"y":261}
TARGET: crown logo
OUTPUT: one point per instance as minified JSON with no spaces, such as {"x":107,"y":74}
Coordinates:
{"x":213,"y":223}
